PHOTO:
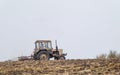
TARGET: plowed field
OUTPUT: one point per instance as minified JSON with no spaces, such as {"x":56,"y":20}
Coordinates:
{"x":67,"y":67}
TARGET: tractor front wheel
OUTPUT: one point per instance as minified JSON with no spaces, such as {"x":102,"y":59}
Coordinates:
{"x":62,"y":58}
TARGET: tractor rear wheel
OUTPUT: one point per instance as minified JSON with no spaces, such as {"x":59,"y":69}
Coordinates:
{"x":43,"y":55}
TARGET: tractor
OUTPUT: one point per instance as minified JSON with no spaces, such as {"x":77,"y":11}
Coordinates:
{"x":44,"y":51}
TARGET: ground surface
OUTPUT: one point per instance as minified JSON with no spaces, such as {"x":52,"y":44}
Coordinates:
{"x":68,"y":67}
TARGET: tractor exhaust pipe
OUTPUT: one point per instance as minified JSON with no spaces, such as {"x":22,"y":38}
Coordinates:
{"x":57,"y":52}
{"x":56,"y":45}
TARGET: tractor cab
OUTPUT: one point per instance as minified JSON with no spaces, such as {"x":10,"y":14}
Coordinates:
{"x":43,"y":44}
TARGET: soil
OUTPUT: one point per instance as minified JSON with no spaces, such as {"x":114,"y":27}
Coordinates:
{"x":61,"y":67}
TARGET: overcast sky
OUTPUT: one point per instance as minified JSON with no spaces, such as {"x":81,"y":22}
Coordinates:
{"x":83,"y":28}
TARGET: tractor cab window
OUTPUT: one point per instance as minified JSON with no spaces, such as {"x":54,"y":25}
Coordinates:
{"x":49,"y":45}
{"x":45,"y":45}
{"x":37,"y":45}
{"x":42,"y":45}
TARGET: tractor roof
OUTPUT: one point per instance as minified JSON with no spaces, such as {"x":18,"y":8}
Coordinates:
{"x":42,"y":41}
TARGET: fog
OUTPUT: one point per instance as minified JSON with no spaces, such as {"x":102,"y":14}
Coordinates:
{"x":83,"y":28}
